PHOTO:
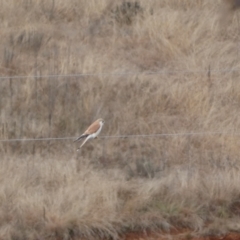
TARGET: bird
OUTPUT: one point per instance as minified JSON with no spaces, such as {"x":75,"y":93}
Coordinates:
{"x":92,"y":131}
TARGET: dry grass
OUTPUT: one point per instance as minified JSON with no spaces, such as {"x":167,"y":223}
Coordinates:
{"x":187,"y":181}
{"x":53,"y":199}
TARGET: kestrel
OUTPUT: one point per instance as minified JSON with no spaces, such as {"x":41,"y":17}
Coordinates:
{"x":92,"y":132}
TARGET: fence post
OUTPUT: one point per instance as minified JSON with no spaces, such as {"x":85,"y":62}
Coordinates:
{"x":49,"y":112}
{"x":164,"y":162}
{"x":189,"y":158}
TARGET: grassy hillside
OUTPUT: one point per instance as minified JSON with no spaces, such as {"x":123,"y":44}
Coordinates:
{"x":146,"y":67}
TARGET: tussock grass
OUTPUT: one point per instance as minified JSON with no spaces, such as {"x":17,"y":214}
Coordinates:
{"x":116,"y":185}
{"x":52,"y":198}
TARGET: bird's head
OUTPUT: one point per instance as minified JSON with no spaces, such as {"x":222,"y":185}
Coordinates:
{"x":100,"y":120}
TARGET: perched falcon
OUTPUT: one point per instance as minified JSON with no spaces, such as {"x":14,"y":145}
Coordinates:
{"x":92,"y":132}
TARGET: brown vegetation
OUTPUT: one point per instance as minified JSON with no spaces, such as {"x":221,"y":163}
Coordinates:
{"x":150,"y":67}
{"x":232,"y":4}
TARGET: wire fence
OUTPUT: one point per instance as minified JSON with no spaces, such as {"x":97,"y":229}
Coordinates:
{"x":125,"y":136}
{"x":164,"y":72}
{"x":159,"y":151}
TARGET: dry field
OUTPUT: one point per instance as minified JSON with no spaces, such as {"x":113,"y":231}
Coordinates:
{"x":148,"y":68}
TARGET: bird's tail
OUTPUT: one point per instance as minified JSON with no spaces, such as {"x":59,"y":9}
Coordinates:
{"x":82,"y":136}
{"x":83,"y":144}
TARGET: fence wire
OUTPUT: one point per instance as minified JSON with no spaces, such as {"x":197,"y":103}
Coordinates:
{"x":164,"y":72}
{"x":125,"y":136}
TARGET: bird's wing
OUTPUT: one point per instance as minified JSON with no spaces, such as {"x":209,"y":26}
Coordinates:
{"x":92,"y":128}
